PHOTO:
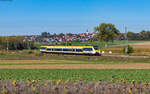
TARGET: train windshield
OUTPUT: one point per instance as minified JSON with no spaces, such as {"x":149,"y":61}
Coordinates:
{"x":43,"y":48}
{"x":96,"y":47}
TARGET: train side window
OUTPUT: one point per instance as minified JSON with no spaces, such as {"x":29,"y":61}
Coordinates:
{"x":87,"y":49}
{"x":78,"y":50}
{"x":58,"y":49}
{"x":74,"y":50}
{"x":67,"y":49}
{"x":49,"y":49}
{"x":53,"y":49}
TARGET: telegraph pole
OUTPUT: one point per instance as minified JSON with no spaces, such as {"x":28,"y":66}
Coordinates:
{"x":7,"y":43}
{"x":126,"y":38}
{"x":29,"y":44}
{"x":126,"y":35}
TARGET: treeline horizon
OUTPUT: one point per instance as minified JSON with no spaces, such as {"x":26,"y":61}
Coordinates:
{"x":143,"y":35}
{"x":15,"y":43}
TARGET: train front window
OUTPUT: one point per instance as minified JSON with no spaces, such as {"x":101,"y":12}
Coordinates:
{"x":96,"y":47}
{"x":87,"y":49}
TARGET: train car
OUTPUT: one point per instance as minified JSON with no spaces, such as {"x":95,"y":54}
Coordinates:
{"x":89,"y":50}
{"x":78,"y":50}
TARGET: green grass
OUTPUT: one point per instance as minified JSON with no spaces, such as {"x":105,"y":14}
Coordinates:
{"x":14,"y":55}
{"x":75,"y":60}
{"x":70,"y":60}
{"x":76,"y":74}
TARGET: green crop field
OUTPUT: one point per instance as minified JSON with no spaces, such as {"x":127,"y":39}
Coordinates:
{"x":76,"y":74}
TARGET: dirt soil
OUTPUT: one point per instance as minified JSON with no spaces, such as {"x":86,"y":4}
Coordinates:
{"x":78,"y":66}
{"x":140,"y":45}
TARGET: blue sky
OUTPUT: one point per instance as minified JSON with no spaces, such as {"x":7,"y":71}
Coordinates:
{"x":25,"y":17}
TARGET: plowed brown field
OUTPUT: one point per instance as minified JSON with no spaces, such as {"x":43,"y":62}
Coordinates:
{"x":141,"y":45}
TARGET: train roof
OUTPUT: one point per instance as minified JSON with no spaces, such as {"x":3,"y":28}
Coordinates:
{"x":71,"y":46}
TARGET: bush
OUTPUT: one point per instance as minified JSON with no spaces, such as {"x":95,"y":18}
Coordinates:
{"x":128,"y":49}
{"x":30,"y":52}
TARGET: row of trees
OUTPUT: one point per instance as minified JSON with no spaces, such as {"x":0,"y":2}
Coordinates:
{"x":143,"y":35}
{"x":109,"y":33}
{"x":15,"y":43}
{"x":47,"y":34}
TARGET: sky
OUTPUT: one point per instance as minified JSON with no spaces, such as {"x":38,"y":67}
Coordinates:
{"x":28,"y":17}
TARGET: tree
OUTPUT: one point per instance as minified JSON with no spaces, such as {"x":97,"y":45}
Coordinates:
{"x":61,"y":35}
{"x":106,"y":32}
{"x":144,"y":35}
{"x":131,"y":36}
{"x":45,"y":34}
